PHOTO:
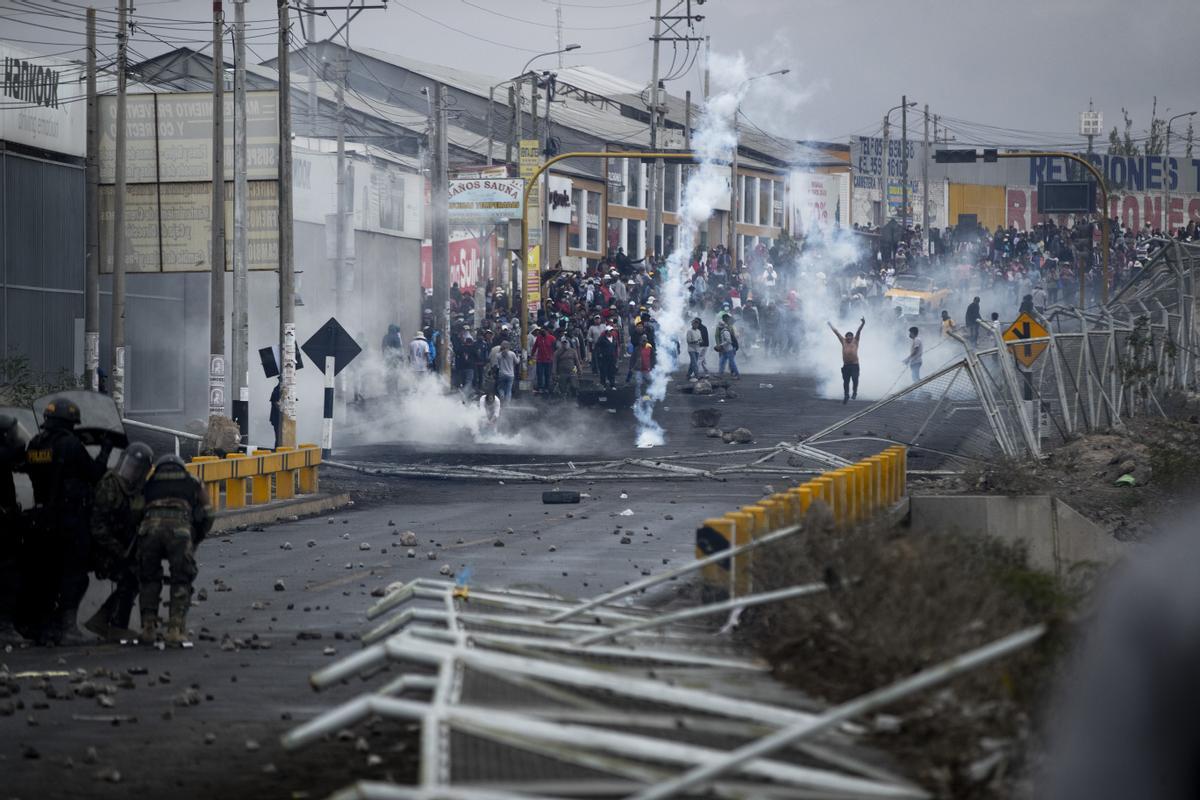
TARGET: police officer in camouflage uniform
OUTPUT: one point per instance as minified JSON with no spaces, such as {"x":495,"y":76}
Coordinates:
{"x":116,"y":515}
{"x":12,"y":456}
{"x":55,"y":558}
{"x":176,"y":520}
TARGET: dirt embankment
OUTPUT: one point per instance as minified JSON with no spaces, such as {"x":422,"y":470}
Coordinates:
{"x":1130,"y":481}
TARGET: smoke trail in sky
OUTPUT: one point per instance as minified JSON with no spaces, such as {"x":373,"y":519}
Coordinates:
{"x":707,"y":185}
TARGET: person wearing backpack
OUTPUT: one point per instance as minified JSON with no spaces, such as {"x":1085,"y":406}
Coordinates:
{"x":727,"y":346}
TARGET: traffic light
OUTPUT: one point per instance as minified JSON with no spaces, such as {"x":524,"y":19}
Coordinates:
{"x":955,"y":156}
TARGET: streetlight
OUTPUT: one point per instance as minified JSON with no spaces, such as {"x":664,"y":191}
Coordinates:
{"x":905,"y":105}
{"x":733,"y":175}
{"x":1167,"y":175}
{"x":524,"y":71}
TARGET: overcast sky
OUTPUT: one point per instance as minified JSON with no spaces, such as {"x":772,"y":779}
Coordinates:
{"x":1026,"y":67}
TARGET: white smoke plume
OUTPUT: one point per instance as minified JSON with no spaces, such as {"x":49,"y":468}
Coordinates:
{"x":713,"y":142}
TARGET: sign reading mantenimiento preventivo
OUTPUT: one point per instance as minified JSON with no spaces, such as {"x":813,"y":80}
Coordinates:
{"x":168,"y":200}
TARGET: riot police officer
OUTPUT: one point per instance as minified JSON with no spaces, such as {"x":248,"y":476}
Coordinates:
{"x":176,"y":520}
{"x":63,"y":475}
{"x":116,"y":514}
{"x":12,"y":456}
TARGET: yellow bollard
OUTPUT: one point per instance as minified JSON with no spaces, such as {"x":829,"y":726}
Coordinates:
{"x":804,"y":497}
{"x":717,"y":574}
{"x":874,"y":466}
{"x":762,"y":520}
{"x":902,"y":456}
{"x":778,"y":513}
{"x":888,"y":459}
{"x":285,"y":479}
{"x":863,"y":472}
{"x":838,"y":496}
{"x":235,"y":486}
{"x":739,"y":569}
{"x":308,"y":478}
{"x":823,"y":490}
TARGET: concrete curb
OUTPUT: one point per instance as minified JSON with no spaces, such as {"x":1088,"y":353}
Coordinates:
{"x":279,"y":510}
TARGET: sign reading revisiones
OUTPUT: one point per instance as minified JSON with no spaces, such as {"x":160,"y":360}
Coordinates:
{"x":531,"y":159}
{"x":485,"y":200}
{"x":41,"y":102}
{"x":533,"y":279}
{"x":167,"y":226}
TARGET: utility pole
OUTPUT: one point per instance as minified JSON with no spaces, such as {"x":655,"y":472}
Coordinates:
{"x":558,"y":18}
{"x":733,"y":196}
{"x":216,"y":319}
{"x":904,"y":163}
{"x":925,"y":185}
{"x":440,"y":232}
{"x":546,"y":175}
{"x":514,"y":126}
{"x":1091,"y":108}
{"x":241,"y":248}
{"x":118,"y":235}
{"x":687,"y":120}
{"x":887,"y":168}
{"x":652,"y":189}
{"x":287,"y":300}
{"x":707,"y":53}
{"x":91,"y":302}
{"x":340,"y":266}
{"x":310,"y":35}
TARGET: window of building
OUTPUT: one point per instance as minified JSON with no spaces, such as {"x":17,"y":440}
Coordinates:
{"x":749,"y":193}
{"x":669,"y":234}
{"x":614,"y":233}
{"x":671,"y":187}
{"x":777,"y":204}
{"x":633,"y":183}
{"x":576,"y":222}
{"x":592,"y":221}
{"x":633,"y":239}
{"x":764,"y":201}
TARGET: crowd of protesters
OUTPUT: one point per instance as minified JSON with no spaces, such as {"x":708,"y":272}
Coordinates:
{"x":598,"y":326}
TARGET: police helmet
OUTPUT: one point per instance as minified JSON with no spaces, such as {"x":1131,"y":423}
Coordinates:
{"x":62,"y":410}
{"x":135,"y":463}
{"x":170,"y":460}
{"x":10,"y":431}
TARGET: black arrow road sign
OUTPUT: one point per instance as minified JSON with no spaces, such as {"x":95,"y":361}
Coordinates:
{"x":332,"y":340}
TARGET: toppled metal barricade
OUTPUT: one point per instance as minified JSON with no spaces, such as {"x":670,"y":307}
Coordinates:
{"x":529,"y":695}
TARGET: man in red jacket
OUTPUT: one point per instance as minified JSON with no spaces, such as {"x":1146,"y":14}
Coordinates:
{"x":543,"y":354}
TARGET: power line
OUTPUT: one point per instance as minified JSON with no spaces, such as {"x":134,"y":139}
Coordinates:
{"x":549,"y":25}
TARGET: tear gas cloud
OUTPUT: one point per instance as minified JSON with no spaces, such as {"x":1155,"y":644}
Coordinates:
{"x":713,"y":141}
{"x":422,"y":410}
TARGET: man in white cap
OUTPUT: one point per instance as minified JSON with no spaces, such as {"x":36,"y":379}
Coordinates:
{"x":418,"y":352}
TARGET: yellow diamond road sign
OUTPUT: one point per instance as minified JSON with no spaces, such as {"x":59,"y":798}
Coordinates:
{"x":1026,"y":327}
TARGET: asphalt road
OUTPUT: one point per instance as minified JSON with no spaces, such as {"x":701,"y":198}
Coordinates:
{"x":255,"y":646}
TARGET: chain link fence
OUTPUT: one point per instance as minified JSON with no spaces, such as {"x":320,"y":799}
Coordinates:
{"x":1072,"y":371}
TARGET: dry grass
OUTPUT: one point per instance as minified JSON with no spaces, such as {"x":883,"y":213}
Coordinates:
{"x":902,"y":601}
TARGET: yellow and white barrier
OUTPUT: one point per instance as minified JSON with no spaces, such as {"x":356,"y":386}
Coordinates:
{"x":853,"y":494}
{"x":239,"y":480}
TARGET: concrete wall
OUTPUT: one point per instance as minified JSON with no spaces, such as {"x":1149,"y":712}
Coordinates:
{"x":1057,"y":536}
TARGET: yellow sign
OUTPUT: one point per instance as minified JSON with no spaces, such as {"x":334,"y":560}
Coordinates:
{"x":530,"y":160}
{"x":533,"y":278}
{"x":1026,"y":327}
